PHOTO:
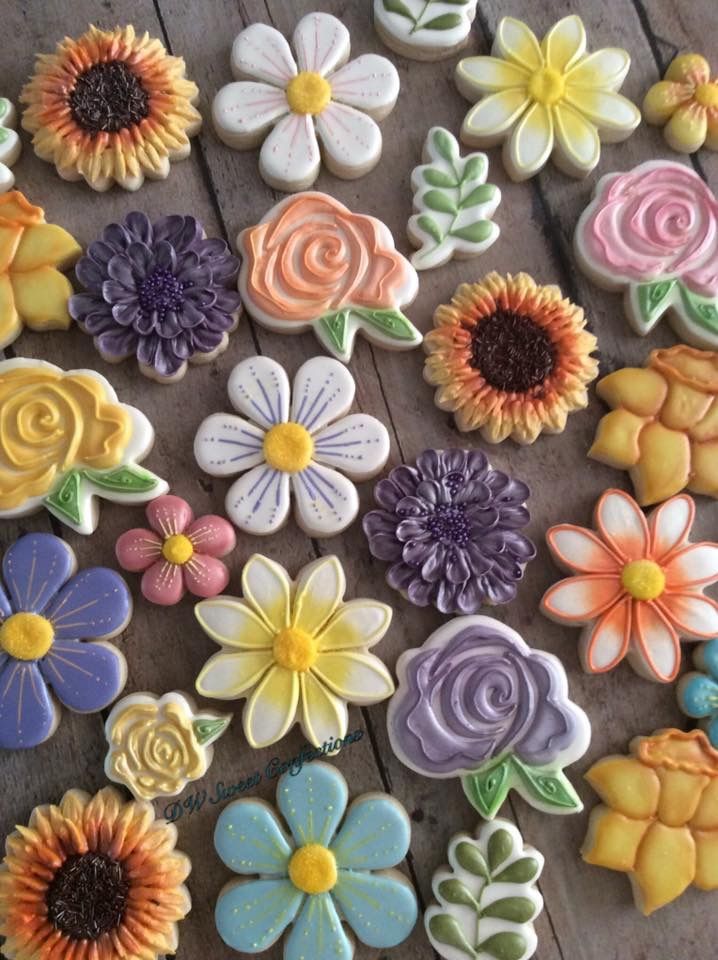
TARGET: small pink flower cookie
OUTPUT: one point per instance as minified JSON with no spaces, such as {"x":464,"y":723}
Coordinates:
{"x":637,"y":585}
{"x":179,"y":553}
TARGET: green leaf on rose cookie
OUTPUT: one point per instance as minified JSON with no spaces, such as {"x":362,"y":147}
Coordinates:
{"x":701,"y":310}
{"x":487,"y":789}
{"x":548,"y":788}
{"x":333,"y":329}
{"x":390,"y":322}
{"x":653,"y":299}
{"x":125,"y":479}
{"x":64,"y":501}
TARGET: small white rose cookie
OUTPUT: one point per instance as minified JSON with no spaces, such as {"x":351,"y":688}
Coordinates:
{"x":10,"y":144}
{"x":293,"y":441}
{"x":293,"y":102}
{"x":313,"y":264}
{"x":454,"y":203}
{"x":488,"y":900}
{"x":159,"y":744}
{"x":424,"y":29}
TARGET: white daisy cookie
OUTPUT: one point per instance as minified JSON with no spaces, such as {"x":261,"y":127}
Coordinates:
{"x":10,"y":144}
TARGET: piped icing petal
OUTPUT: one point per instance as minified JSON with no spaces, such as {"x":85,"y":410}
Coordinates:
{"x":313,"y":803}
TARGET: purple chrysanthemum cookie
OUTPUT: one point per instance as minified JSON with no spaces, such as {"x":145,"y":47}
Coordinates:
{"x":160,"y":291}
{"x":450,"y":526}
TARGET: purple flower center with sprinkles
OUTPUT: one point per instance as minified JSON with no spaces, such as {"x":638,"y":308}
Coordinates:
{"x":159,"y":292}
{"x":448,"y":522}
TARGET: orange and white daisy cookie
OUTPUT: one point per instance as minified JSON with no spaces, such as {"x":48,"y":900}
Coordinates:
{"x":636,"y":585}
{"x":111,"y":107}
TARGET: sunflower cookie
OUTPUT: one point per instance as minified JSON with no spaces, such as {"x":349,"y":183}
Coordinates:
{"x":444,"y":723}
{"x":157,"y":745}
{"x":87,"y":877}
{"x":84,"y":445}
{"x":315,"y":865}
{"x":47,"y":611}
{"x":424,"y":29}
{"x":488,"y":899}
{"x":454,"y":203}
{"x":653,"y":233}
{"x":312,"y":264}
{"x":296,"y":650}
{"x":551,"y":99}
{"x":10,"y":144}
{"x":292,"y":104}
{"x":310,"y":450}
{"x":111,"y":107}
{"x":510,"y":358}
{"x":161,"y":292}
{"x":685,"y":104}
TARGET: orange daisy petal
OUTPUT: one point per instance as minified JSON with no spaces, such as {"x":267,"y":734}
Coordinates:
{"x":581,"y":599}
{"x":655,"y":650}
{"x":606,"y":642}
{"x":622,"y":525}
{"x":581,"y":550}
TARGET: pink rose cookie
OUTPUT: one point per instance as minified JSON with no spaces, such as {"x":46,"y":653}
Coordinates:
{"x":179,"y":553}
{"x":653,"y":232}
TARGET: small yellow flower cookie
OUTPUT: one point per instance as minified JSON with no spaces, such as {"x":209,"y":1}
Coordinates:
{"x":685,"y":104}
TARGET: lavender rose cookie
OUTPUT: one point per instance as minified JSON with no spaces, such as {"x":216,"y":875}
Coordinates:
{"x":451,"y":528}
{"x":476,"y":702}
{"x":160,"y":291}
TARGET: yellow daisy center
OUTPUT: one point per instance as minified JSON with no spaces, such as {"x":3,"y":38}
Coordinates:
{"x":177,"y":548}
{"x":26,"y":636}
{"x":707,"y":94}
{"x":643,"y":579}
{"x":295,"y":649}
{"x":308,"y":92}
{"x":546,"y":86}
{"x":288,"y":447}
{"x":313,"y":869}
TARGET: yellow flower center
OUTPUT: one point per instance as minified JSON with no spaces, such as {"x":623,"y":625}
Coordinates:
{"x":177,"y":548}
{"x":26,"y":636}
{"x":308,"y":92}
{"x":313,"y":869}
{"x":295,"y":649}
{"x":546,"y":86}
{"x":288,"y":447}
{"x":707,"y":94}
{"x":643,"y":579}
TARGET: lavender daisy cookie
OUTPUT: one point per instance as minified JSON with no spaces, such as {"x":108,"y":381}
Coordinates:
{"x":451,"y":528}
{"x":160,"y":291}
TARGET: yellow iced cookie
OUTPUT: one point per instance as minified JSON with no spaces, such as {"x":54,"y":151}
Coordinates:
{"x":685,"y":104}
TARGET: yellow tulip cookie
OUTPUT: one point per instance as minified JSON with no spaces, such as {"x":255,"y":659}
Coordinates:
{"x":685,"y":104}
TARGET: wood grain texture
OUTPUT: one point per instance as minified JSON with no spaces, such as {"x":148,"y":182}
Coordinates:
{"x":589,"y":914}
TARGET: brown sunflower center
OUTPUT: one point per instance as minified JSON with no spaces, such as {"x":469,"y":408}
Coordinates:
{"x":87,"y":896}
{"x":108,"y":97}
{"x":511,"y":351}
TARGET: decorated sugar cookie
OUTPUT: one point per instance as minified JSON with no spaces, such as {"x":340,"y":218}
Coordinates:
{"x":663,"y":424}
{"x":698,"y":690}
{"x":312,"y":264}
{"x":658,"y":821}
{"x":65,"y":440}
{"x":35,"y":292}
{"x":451,"y":526}
{"x":454,"y":203}
{"x":47,"y":611}
{"x":87,"y":876}
{"x":424,"y":29}
{"x":161,"y":292}
{"x":179,"y":553}
{"x":653,"y":232}
{"x":157,"y":745}
{"x":295,"y":101}
{"x":110,"y":107}
{"x":309,"y":450}
{"x":510,"y":358}
{"x":636,"y":585}
{"x":551,"y":99}
{"x":10,"y":144}
{"x":314,"y":870}
{"x":685,"y":104}
{"x":296,"y":650}
{"x":488,"y":899}
{"x":476,"y":702}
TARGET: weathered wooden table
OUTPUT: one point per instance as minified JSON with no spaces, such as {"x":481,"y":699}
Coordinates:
{"x":589,"y":914}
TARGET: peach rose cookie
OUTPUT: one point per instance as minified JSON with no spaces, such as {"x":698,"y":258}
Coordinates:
{"x":685,"y":104}
{"x":510,"y":358}
{"x":636,"y":585}
{"x":424,"y":29}
{"x":551,"y":99}
{"x":312,"y":264}
{"x":292,"y":104}
{"x":658,"y":821}
{"x":10,"y":144}
{"x":157,"y":745}
{"x":663,"y":425}
{"x":653,"y":233}
{"x":111,"y":107}
{"x":65,"y":440}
